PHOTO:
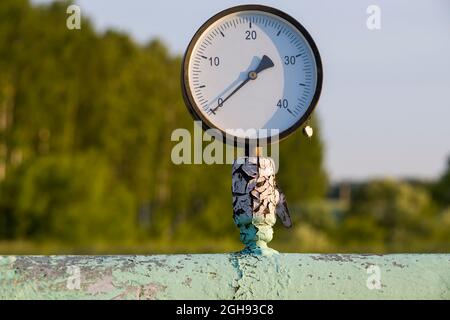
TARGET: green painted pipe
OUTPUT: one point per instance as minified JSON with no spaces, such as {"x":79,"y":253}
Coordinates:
{"x":226,"y":276}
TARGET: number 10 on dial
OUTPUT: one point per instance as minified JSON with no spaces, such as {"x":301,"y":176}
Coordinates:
{"x":252,"y":67}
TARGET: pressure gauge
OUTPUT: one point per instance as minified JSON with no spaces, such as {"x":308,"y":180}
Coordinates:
{"x":253,"y":73}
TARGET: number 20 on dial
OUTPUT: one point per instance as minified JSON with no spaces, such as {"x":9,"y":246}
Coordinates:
{"x":252,"y":67}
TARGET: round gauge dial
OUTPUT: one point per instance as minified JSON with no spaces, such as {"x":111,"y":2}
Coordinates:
{"x":252,"y":72}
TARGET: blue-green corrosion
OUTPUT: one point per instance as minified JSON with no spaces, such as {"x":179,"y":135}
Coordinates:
{"x":226,"y":276}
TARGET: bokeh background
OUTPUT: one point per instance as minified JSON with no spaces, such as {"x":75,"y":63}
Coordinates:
{"x":86,"y":118}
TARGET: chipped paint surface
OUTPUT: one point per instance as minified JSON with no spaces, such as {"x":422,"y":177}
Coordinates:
{"x":226,"y":276}
{"x":256,"y":202}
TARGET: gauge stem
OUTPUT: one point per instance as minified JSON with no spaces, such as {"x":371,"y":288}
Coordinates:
{"x":253,"y":152}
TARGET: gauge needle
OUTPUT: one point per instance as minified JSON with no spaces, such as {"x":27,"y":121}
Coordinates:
{"x":264,"y":64}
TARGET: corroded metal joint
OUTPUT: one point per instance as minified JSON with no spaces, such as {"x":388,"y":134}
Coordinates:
{"x":256,"y":200}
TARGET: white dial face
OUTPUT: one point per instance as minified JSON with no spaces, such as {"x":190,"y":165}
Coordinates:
{"x":252,"y":70}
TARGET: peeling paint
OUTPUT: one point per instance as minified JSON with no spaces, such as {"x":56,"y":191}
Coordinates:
{"x":333,"y":257}
{"x":187,"y":282}
{"x":102,"y":285}
{"x":149,"y":291}
{"x":226,"y":276}
{"x":396,"y":264}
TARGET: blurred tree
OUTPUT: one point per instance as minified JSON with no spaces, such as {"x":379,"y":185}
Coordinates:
{"x":301,"y":173}
{"x":72,"y":199}
{"x":85,"y":127}
{"x":441,"y":189}
{"x":391,"y":213}
{"x":85,"y":154}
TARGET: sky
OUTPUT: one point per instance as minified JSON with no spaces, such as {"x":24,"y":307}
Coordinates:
{"x":385,"y":103}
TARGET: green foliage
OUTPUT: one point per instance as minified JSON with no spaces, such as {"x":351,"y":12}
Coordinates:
{"x":302,"y":176}
{"x":73,"y":199}
{"x":86,"y":145}
{"x":391,"y":214}
{"x":85,"y":158}
{"x":441,"y":189}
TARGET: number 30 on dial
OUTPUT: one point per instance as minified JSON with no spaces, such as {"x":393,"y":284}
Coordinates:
{"x":252,"y":67}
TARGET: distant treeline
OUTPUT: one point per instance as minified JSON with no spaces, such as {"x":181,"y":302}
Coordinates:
{"x":85,"y":157}
{"x":85,"y":140}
